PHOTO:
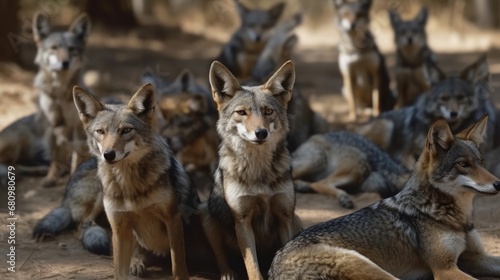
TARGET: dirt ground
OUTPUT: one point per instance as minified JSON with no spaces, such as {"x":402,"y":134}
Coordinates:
{"x":121,"y":60}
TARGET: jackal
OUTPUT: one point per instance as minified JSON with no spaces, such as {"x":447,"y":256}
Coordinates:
{"x":250,"y":212}
{"x":336,"y":163}
{"x":425,"y":231}
{"x":411,"y":55}
{"x":146,"y":191}
{"x":366,"y":81}
{"x":60,"y":60}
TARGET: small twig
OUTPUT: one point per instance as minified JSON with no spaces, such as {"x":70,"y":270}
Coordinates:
{"x":32,"y":251}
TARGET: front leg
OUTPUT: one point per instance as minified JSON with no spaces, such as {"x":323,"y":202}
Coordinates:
{"x":176,"y":239}
{"x":349,"y":93}
{"x":246,"y":242}
{"x":283,"y":207}
{"x":475,"y":260}
{"x":376,"y":94}
{"x":123,"y":243}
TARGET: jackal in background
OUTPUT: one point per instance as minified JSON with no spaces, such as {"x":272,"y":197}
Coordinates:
{"x":60,"y":60}
{"x":459,"y":100}
{"x":412,"y":52}
{"x":336,"y":163}
{"x":190,"y":116}
{"x":250,"y":212}
{"x":425,"y":231}
{"x":259,"y":31}
{"x":366,"y":81}
{"x":147,"y":194}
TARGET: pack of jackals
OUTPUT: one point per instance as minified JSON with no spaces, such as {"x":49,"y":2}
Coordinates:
{"x":131,"y":192}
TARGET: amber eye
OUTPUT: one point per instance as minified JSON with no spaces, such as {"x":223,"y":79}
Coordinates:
{"x":269,"y":111}
{"x":100,"y":131}
{"x":463,"y":164}
{"x":54,"y":47}
{"x":126,"y":130}
{"x":71,"y":49}
{"x":444,"y":98}
{"x":241,"y":112}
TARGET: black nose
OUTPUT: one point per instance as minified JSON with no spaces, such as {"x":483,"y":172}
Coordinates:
{"x":65,"y":65}
{"x":353,"y":26}
{"x":110,"y":155}
{"x":261,"y":134}
{"x":258,"y":38}
{"x":497,"y":185}
{"x":410,"y":40}
{"x":453,"y":114}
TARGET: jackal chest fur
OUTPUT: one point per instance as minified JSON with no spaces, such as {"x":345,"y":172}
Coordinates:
{"x":360,"y":67}
{"x":253,"y":185}
{"x":145,"y":205}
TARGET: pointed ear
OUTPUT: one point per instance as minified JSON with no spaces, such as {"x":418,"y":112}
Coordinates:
{"x":281,"y":83}
{"x":439,"y":136}
{"x":185,"y":79}
{"x":477,"y":71}
{"x":421,"y":18}
{"x":41,"y":26}
{"x":223,"y":83}
{"x":276,"y":11}
{"x":475,"y":132}
{"x":143,"y":103}
{"x":87,"y":105}
{"x":242,"y":9}
{"x":81,"y":27}
{"x":433,"y":73}
{"x":394,"y":18}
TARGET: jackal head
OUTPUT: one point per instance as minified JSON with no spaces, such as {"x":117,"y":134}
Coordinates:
{"x":353,"y":16}
{"x":410,"y":36}
{"x":256,"y":23}
{"x":256,"y":114}
{"x":116,"y":132}
{"x":455,"y":98}
{"x":60,"y":50}
{"x":454,"y":164}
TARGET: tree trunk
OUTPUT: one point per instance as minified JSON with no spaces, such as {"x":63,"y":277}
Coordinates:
{"x":10,"y":37}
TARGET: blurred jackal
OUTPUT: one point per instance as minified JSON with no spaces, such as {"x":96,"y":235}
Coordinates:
{"x":60,"y":60}
{"x":258,"y":33}
{"x":338,"y":163}
{"x":364,"y":73}
{"x":411,"y":55}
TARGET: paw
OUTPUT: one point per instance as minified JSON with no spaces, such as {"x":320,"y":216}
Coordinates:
{"x":302,"y":187}
{"x":138,"y":270}
{"x":228,"y":276}
{"x":345,"y":201}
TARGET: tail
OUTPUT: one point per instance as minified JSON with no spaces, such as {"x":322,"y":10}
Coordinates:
{"x":321,"y":261}
{"x":95,"y":239}
{"x":54,"y":223}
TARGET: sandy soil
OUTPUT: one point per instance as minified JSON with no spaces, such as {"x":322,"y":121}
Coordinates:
{"x":122,"y":59}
